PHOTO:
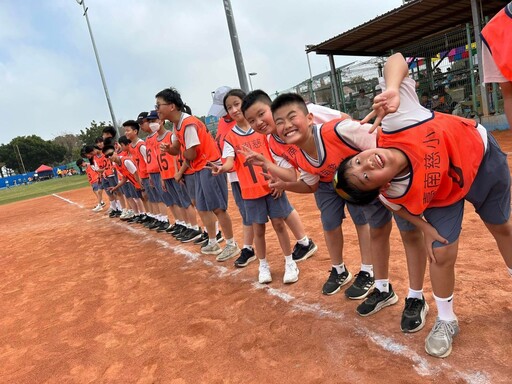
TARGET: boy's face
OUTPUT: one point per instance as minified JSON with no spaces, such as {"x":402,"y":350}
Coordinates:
{"x":292,"y":125}
{"x":372,"y":169}
{"x":130,"y":133}
{"x":259,"y":116}
{"x":106,"y":135}
{"x":124,"y":147}
{"x":144,"y":125}
{"x":100,"y":144}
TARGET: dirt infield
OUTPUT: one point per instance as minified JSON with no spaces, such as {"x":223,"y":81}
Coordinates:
{"x":88,"y":299}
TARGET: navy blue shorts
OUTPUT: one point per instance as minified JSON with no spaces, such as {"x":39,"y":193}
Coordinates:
{"x":211,"y":191}
{"x":261,"y":209}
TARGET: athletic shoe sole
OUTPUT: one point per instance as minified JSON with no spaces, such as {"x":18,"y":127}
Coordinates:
{"x":188,"y":240}
{"x":361,"y":296}
{"x":383,"y":304}
{"x":423,"y":317}
{"x":291,"y":281}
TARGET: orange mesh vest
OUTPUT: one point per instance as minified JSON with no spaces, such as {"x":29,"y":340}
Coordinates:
{"x":151,"y":154}
{"x":166,"y":162}
{"x":224,"y":126}
{"x":444,"y":153}
{"x":281,"y":149}
{"x":137,"y":157}
{"x":497,"y":35}
{"x":207,"y":149}
{"x":252,"y":183}
{"x":335,"y":149}
{"x":92,"y":175}
{"x":104,"y":163}
{"x":126,"y":173}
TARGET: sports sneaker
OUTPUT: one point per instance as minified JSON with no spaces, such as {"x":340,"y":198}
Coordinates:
{"x":149,"y":221}
{"x":172,"y":228}
{"x":336,"y":281}
{"x":190,"y":235}
{"x":102,"y":204}
{"x":291,"y":273}
{"x":264,"y":276}
{"x":302,"y":252}
{"x":155,"y":224}
{"x":118,"y":213}
{"x":246,"y":256}
{"x":413,"y":316}
{"x":211,"y":249}
{"x":203,"y":240}
{"x":229,"y":251}
{"x":439,"y":341}
{"x":377,"y":300}
{"x":97,"y":208}
{"x":114,"y":213}
{"x":124,"y":212}
{"x":361,"y":287}
{"x":219,"y":237}
{"x":129,"y":214}
{"x":178,"y":230}
{"x":163,"y":226}
{"x":134,"y":219}
{"x":109,"y":211}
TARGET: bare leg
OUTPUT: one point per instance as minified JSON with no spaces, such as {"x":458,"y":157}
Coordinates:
{"x":503,"y":235}
{"x":282,"y":236}
{"x":379,"y":238}
{"x":294,"y":222}
{"x":363,"y":235}
{"x":259,"y":240}
{"x":225,"y":223}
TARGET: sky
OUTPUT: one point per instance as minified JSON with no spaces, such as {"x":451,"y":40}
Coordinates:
{"x":49,"y":79}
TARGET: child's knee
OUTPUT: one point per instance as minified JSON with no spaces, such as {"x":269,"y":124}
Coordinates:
{"x":279,"y":225}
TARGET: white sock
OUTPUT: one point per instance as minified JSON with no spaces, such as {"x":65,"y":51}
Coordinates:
{"x":510,"y":271}
{"x":367,"y":268}
{"x":289,"y":259}
{"x":263,"y":262}
{"x":382,"y":285}
{"x":212,"y":241}
{"x":339,"y":268}
{"x":413,"y":294}
{"x":118,"y":204}
{"x":112,"y":205}
{"x":216,"y":227}
{"x":304,"y":241}
{"x":445,"y":308}
{"x":194,"y":227}
{"x":249,"y":247}
{"x":230,"y":241}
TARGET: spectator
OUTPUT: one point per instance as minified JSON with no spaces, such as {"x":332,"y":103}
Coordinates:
{"x":426,"y":101}
{"x":363,"y":104}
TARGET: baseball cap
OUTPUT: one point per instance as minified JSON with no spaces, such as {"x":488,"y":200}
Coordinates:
{"x":142,"y":116}
{"x":153,"y":115}
{"x":217,"y":108}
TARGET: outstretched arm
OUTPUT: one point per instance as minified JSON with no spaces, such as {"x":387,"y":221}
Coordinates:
{"x":395,"y":70}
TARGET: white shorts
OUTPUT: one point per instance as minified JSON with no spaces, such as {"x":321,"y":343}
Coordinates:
{"x":492,"y":74}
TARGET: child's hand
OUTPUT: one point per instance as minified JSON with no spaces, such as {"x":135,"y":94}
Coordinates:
{"x":165,"y":147}
{"x":385,"y":103}
{"x":252,"y":157}
{"x":216,"y":170}
{"x":430,"y":235}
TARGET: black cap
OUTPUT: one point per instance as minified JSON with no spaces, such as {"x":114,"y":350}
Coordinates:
{"x":142,"y":116}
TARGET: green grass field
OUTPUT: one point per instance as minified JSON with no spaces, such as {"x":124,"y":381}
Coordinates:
{"x":41,"y":188}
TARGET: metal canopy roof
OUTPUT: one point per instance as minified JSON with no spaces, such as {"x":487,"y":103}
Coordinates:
{"x":403,"y":26}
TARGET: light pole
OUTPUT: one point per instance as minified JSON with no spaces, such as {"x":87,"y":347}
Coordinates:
{"x":114,"y":122}
{"x":239,"y":61}
{"x":250,"y":75}
{"x":313,"y":95}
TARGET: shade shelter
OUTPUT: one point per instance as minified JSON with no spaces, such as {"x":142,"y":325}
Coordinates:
{"x":44,"y":172}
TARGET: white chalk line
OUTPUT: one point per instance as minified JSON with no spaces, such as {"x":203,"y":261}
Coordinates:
{"x":419,"y":363}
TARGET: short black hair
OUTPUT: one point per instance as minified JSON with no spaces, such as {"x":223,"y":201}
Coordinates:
{"x":79,"y":162}
{"x":98,"y":140}
{"x":89,"y":149}
{"x":110,"y":130}
{"x":347,"y":190}
{"x":124,"y":140}
{"x":286,"y":99}
{"x":171,"y":95}
{"x":108,"y":150}
{"x":109,"y":142}
{"x":255,"y":96}
{"x":132,"y":124}
{"x":233,"y":92}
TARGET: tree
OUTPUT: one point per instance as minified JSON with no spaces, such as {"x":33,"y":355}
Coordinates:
{"x":73,"y":145}
{"x":88,"y":135}
{"x":34,"y":151}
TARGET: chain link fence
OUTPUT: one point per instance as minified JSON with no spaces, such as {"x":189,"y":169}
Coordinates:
{"x":445,"y":67}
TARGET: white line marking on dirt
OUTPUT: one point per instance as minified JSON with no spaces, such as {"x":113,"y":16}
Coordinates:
{"x":419,"y":363}
{"x":67,"y":201}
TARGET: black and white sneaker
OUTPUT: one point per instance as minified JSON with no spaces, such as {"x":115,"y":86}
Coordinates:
{"x":219,"y":237}
{"x":246,"y":256}
{"x":203,"y":240}
{"x":414,"y":314}
{"x":155,"y":224}
{"x":172,"y":228}
{"x":178,"y":231}
{"x":361,"y":286}
{"x":336,"y":281}
{"x":377,"y":300}
{"x":189,"y":235}
{"x":163,"y":226}
{"x":133,"y":219}
{"x":302,"y":252}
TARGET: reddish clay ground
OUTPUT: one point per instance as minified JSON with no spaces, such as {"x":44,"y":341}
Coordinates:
{"x":88,"y":299}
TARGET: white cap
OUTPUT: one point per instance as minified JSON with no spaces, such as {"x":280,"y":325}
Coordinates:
{"x":217,"y":108}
